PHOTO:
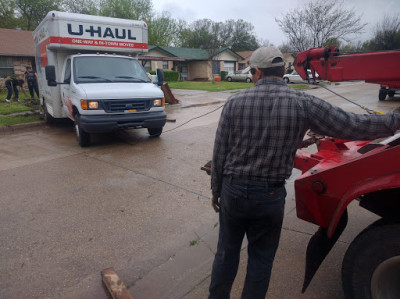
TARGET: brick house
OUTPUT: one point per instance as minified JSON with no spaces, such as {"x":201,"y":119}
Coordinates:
{"x":16,"y":52}
{"x":192,"y":64}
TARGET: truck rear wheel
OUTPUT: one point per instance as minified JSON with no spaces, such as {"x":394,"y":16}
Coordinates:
{"x":82,"y":136}
{"x":371,"y":265}
{"x":155,"y":132}
{"x":382,"y":94}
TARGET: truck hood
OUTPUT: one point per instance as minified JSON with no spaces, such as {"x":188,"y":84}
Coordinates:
{"x":120,"y":90}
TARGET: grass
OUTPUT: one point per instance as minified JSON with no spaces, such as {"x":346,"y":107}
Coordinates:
{"x":219,"y":86}
{"x":14,"y":119}
{"x":13,"y":107}
{"x":24,"y":105}
{"x":209,"y":86}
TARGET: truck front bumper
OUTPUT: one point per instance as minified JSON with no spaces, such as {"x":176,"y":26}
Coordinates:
{"x":114,"y":122}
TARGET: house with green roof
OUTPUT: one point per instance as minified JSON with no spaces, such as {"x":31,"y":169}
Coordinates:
{"x":192,"y":64}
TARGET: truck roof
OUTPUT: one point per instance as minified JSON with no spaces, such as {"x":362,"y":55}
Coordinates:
{"x":69,"y":16}
{"x":63,"y":30}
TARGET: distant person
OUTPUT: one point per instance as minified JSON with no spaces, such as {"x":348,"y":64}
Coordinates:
{"x":32,"y":80}
{"x":11,"y":85}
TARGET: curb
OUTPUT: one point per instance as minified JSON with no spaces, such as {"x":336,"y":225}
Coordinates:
{"x":19,"y":127}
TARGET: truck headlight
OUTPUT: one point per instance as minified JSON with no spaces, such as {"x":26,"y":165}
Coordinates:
{"x":159,"y":102}
{"x":89,"y":105}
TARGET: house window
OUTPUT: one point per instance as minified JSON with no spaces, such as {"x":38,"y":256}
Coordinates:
{"x":216,"y":67}
{"x":6,"y":66}
{"x":147,"y":65}
{"x":165,"y":65}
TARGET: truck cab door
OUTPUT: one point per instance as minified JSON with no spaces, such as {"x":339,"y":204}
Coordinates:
{"x":65,"y":89}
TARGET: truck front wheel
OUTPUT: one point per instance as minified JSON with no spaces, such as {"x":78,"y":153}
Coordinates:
{"x":82,"y":136}
{"x":371,"y":265}
{"x":155,"y":132}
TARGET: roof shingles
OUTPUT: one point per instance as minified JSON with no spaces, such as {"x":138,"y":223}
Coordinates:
{"x":16,"y":43}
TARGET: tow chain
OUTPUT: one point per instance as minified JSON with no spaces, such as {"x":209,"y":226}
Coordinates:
{"x":370,"y":111}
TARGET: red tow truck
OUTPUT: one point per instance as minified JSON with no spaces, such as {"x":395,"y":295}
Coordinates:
{"x":341,"y":171}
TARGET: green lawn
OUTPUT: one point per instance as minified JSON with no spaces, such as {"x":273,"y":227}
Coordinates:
{"x":209,"y":86}
{"x":15,"y":120}
{"x":23,"y":105}
{"x":218,"y":86}
{"x":13,"y":107}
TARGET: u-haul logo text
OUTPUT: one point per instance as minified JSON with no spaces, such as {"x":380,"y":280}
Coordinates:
{"x":107,"y":32}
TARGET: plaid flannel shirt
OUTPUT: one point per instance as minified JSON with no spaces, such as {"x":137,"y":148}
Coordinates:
{"x":261,"y":128}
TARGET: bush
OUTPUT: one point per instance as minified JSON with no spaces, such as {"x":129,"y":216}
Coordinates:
{"x":169,"y":76}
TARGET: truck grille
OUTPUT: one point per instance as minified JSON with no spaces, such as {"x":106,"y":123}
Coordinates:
{"x":130,"y":104}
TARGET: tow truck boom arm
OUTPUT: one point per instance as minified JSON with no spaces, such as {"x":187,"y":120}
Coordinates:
{"x":374,"y":67}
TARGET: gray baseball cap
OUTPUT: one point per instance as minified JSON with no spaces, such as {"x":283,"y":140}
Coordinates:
{"x":263,"y":57}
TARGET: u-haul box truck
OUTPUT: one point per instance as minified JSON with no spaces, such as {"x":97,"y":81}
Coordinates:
{"x":100,"y":85}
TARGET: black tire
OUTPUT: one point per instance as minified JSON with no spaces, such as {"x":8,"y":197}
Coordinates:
{"x":371,"y":265}
{"x":155,"y":132}
{"x":46,"y":115}
{"x":286,"y":80}
{"x":382,"y":94}
{"x":82,"y":136}
{"x":248,"y":80}
{"x":229,"y":79}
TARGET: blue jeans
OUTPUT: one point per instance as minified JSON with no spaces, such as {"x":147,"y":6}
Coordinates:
{"x":255,"y":209}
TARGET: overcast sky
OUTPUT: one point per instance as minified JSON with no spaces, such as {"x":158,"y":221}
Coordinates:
{"x":262,"y":13}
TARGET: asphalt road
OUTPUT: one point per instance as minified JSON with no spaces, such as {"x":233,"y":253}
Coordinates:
{"x":140,"y":205}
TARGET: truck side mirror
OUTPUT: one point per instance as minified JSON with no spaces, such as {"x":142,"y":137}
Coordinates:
{"x":160,"y":77}
{"x":50,"y":71}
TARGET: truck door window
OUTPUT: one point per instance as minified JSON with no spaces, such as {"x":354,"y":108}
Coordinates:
{"x":67,"y":74}
{"x":91,"y":69}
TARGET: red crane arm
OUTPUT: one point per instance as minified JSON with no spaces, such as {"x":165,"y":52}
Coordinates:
{"x":374,"y":67}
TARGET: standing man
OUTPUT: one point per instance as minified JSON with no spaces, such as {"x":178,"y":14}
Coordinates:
{"x":258,"y":134}
{"x":31,"y":78}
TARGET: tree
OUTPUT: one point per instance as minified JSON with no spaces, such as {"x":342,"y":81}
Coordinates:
{"x":318,"y":22}
{"x":183,"y":34}
{"x":7,"y":18}
{"x":89,"y":7}
{"x":31,"y":12}
{"x":207,"y":34}
{"x":387,"y":34}
{"x":242,"y":35}
{"x":126,"y":9}
{"x":286,"y":48}
{"x":162,"y":29}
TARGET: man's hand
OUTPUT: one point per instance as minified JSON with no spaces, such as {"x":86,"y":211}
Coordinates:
{"x":215,"y":203}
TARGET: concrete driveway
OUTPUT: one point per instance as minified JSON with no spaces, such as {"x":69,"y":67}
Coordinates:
{"x":140,"y":205}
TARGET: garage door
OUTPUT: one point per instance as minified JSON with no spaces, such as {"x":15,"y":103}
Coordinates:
{"x":229,"y":66}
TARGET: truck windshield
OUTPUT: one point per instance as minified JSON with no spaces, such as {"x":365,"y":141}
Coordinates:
{"x":108,"y":69}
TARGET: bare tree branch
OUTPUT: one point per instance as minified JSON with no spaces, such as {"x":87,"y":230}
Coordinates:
{"x":317,"y":22}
